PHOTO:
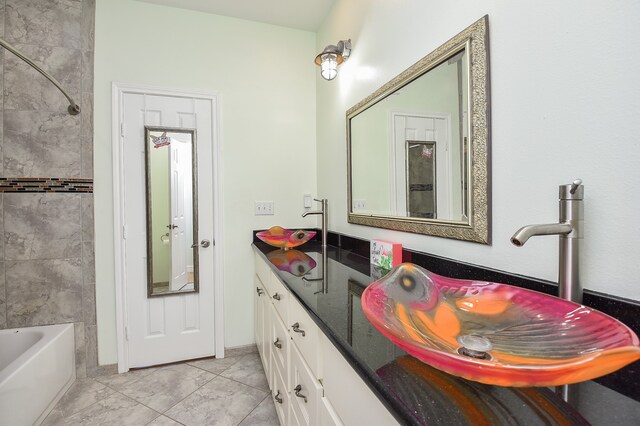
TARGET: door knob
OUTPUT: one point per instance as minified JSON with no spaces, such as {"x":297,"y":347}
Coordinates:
{"x":203,"y":244}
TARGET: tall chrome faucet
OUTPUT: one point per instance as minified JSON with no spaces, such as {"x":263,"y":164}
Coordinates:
{"x":570,"y":230}
{"x":323,"y":213}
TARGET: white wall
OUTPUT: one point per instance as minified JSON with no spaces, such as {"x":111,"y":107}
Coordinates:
{"x":565,"y":102}
{"x":265,"y":77}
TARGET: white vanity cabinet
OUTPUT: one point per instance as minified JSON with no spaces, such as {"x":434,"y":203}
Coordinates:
{"x":299,"y":359}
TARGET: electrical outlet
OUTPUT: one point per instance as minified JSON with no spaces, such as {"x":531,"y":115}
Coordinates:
{"x":359,"y":205}
{"x":306,"y":203}
{"x":264,"y":208}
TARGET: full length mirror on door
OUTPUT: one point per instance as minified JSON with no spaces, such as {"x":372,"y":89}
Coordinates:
{"x":172,"y":222}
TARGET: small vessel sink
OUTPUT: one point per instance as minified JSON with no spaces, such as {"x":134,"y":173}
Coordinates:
{"x":294,"y":262}
{"x":496,"y":333}
{"x":277,"y":236}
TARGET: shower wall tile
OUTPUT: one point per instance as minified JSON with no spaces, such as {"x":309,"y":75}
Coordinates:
{"x":91,"y":342}
{"x":88,"y":264}
{"x":3,"y":304}
{"x":44,"y":23}
{"x":88,"y":24}
{"x":2,"y":14}
{"x":89,"y":304}
{"x":43,"y":292}
{"x":26,"y":89}
{"x":87,"y":217}
{"x":1,"y":226}
{"x":87,"y":71}
{"x":31,"y":136}
{"x":42,"y":226}
{"x":81,"y":350}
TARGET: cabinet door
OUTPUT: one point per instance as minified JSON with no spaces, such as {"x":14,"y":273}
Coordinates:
{"x":305,"y":390}
{"x":305,"y":334}
{"x":280,"y":398}
{"x":262,"y":326}
{"x":280,"y":342}
{"x":352,"y":400}
{"x":328,"y":416}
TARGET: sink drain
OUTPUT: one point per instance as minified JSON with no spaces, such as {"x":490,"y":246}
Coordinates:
{"x":474,"y":346}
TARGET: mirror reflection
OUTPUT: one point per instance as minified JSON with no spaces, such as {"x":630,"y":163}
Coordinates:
{"x":418,"y":146}
{"x":408,"y":150}
{"x":172,"y":256}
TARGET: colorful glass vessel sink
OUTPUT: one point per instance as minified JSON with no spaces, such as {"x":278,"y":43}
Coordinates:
{"x":496,"y":333}
{"x":294,"y":262}
{"x":277,"y":236}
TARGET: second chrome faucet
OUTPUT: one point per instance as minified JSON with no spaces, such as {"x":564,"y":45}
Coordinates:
{"x":570,"y":230}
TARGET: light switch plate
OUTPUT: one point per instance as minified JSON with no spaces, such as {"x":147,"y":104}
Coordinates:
{"x":264,"y":208}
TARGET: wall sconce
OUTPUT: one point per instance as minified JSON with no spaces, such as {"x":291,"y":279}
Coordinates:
{"x":331,"y":57}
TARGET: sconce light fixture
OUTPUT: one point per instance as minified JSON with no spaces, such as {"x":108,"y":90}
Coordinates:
{"x":331,"y":57}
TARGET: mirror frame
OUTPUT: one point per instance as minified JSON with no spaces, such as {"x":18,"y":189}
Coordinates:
{"x":149,"y":229}
{"x":475,"y":39}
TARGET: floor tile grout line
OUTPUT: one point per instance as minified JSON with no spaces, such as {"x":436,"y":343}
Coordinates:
{"x":254,"y":409}
{"x":268,"y":391}
{"x":191,"y":393}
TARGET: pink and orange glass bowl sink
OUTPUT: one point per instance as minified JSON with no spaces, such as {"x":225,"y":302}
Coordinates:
{"x":496,"y":333}
{"x":277,"y":236}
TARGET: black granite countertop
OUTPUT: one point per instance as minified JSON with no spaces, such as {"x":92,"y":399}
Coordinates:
{"x":414,"y":392}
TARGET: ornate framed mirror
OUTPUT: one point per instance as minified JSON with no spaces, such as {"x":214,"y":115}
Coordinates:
{"x":418,"y":147}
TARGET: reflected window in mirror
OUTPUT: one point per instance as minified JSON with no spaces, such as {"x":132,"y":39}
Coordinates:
{"x":172,"y":256}
{"x":418,"y":147}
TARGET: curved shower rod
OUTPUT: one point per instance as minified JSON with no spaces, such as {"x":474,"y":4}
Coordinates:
{"x":74,"y":108}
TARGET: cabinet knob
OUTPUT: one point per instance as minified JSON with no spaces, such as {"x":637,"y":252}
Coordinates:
{"x":278,"y":398}
{"x":276,"y":296}
{"x":297,"y":390}
{"x":296,"y":327}
{"x":277,"y":343}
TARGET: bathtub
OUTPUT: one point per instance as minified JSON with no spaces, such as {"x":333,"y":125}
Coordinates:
{"x":37,"y":366}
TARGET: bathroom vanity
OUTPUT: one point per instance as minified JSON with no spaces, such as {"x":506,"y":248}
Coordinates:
{"x":327,"y":365}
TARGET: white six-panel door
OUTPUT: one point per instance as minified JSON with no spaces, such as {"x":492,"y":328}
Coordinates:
{"x":177,"y":327}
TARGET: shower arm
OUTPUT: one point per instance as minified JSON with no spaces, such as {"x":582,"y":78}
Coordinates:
{"x":74,"y":109}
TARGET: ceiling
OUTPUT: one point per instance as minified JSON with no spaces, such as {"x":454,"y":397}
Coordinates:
{"x":300,"y":14}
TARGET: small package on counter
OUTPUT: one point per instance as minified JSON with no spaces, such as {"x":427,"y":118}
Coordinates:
{"x":385,"y":253}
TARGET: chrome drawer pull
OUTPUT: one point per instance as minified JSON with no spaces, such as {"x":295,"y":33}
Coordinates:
{"x":297,"y":390}
{"x":277,"y":343}
{"x":278,"y":398}
{"x":276,"y":296}
{"x":259,"y":291}
{"x":296,"y":327}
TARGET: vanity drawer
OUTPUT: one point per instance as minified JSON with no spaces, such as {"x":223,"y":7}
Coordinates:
{"x":305,"y":334}
{"x":280,"y":398}
{"x":305,"y":390}
{"x":280,"y":342}
{"x":280,"y":297}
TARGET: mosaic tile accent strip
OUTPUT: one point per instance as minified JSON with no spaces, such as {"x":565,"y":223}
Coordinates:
{"x":45,"y":185}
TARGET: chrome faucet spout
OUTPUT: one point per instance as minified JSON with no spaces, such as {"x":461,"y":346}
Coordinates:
{"x":523,"y":234}
{"x":308,"y":212}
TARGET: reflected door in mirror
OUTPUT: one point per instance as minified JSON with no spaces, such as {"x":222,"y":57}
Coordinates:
{"x":171,"y":212}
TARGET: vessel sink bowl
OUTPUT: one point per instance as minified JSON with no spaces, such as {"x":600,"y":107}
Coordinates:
{"x":277,"y":236}
{"x":294,"y":262}
{"x":496,"y":333}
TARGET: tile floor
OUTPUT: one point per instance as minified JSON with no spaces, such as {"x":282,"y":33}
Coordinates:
{"x":228,"y":391}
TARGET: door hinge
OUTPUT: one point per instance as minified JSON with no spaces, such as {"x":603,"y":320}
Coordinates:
{"x":124,"y":232}
{"x":126,"y":334}
{"x":122,"y":129}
